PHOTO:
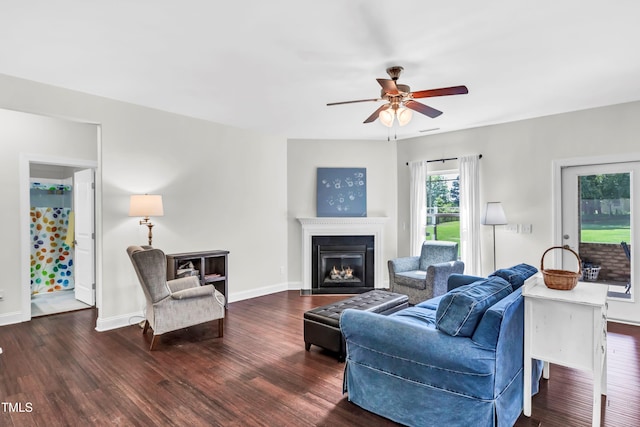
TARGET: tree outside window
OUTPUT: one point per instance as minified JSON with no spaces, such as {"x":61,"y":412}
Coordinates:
{"x":443,"y":207}
{"x":605,"y":208}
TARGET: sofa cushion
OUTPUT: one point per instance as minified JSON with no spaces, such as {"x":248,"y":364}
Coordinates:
{"x":488,"y":329}
{"x":457,"y":280}
{"x":420,"y":316}
{"x":431,"y":304}
{"x":461,"y":309}
{"x":413,"y":279}
{"x":525,"y":269}
{"x":515,"y":278}
{"x":516,"y":275}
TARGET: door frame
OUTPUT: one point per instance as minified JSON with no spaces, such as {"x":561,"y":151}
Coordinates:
{"x":556,"y":182}
{"x":26,"y":160}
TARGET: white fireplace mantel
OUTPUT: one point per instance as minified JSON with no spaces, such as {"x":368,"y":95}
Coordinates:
{"x":342,"y":226}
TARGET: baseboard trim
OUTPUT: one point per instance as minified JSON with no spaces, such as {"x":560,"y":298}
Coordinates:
{"x":258,"y":292}
{"x":108,"y":323}
{"x":295,"y":286}
{"x":11,"y":318}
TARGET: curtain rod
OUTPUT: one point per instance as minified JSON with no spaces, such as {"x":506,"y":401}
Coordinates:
{"x":444,"y":160}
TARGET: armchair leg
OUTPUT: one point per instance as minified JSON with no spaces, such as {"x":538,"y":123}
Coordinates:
{"x":221,"y":327}
{"x":153,"y":342}
{"x":146,"y":327}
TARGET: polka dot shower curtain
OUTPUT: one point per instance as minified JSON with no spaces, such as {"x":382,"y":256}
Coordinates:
{"x":51,"y":258}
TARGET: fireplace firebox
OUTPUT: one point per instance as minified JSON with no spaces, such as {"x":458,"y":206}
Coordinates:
{"x":342,"y":264}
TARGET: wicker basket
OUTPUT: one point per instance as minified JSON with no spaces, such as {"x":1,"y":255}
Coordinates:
{"x":562,"y":280}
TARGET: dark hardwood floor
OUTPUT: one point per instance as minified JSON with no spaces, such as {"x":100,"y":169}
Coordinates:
{"x":58,"y":371}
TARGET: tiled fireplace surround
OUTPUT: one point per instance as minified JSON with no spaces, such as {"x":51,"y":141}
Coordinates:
{"x":348,"y":226}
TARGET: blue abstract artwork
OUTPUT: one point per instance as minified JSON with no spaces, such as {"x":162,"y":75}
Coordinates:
{"x":342,"y":192}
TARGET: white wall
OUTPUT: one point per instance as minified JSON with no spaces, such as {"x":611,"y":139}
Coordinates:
{"x":516,"y":169}
{"x":222,"y":187}
{"x":32,"y":135}
{"x":226,"y":188}
{"x":305,"y":156}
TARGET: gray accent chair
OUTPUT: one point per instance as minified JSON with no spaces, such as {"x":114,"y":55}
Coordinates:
{"x":424,"y":277}
{"x":173,"y":304}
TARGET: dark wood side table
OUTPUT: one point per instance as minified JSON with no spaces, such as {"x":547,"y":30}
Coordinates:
{"x":212,"y":268}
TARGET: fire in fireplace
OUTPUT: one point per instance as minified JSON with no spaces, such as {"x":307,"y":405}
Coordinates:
{"x":342,"y":264}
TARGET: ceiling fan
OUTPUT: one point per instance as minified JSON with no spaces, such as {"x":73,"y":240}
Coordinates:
{"x":401,"y":101}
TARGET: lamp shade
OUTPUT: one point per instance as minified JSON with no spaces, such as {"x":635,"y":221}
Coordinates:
{"x":146,"y":205}
{"x":494,"y":214}
{"x":386,"y":116}
{"x":404,"y":115}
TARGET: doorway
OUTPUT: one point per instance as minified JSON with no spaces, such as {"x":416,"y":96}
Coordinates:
{"x":61,"y":238}
{"x":59,"y":259}
{"x":597,"y":210}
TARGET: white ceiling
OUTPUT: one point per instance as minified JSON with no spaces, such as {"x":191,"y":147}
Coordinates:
{"x":273,"y":65}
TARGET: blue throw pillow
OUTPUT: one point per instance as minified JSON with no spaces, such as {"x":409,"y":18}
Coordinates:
{"x":515,"y":278}
{"x":525,"y":269}
{"x":516,"y":275}
{"x":461,"y":309}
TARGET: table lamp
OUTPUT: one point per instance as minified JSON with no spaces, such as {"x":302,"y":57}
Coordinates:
{"x":146,"y":205}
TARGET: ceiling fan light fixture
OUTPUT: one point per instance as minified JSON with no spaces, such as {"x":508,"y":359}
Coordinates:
{"x":386,"y":117}
{"x":404,"y":115}
{"x":401,"y":101}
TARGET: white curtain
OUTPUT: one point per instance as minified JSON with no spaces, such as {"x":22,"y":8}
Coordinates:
{"x":418,"y":206}
{"x":470,"y":214}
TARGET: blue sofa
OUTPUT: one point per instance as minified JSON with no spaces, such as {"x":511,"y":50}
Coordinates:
{"x":454,"y":360}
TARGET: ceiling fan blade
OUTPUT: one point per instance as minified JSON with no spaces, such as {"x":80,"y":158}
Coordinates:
{"x":454,"y":90}
{"x":389,"y":86}
{"x":424,"y":109}
{"x":353,"y":102}
{"x":374,"y":116}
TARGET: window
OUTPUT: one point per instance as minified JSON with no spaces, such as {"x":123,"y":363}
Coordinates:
{"x":443,"y":206}
{"x":605,"y":208}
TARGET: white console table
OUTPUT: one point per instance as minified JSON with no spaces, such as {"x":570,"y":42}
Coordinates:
{"x":567,"y":328}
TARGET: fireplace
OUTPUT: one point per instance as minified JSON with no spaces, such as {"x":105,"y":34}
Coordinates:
{"x":342,"y":264}
{"x":344,"y":226}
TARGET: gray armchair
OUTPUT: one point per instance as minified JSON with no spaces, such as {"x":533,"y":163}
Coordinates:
{"x":425,"y":276}
{"x":173,"y":304}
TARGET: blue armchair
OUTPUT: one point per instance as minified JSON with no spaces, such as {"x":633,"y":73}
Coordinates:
{"x":425,"y":276}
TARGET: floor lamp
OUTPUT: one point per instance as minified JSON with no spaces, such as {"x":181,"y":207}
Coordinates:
{"x":494,"y":215}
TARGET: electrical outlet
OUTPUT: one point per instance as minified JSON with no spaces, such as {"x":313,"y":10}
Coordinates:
{"x":511,"y":228}
{"x":1,"y":294}
{"x":526,"y":228}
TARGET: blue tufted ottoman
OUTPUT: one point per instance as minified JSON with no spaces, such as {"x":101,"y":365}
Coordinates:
{"x":322,"y":324}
